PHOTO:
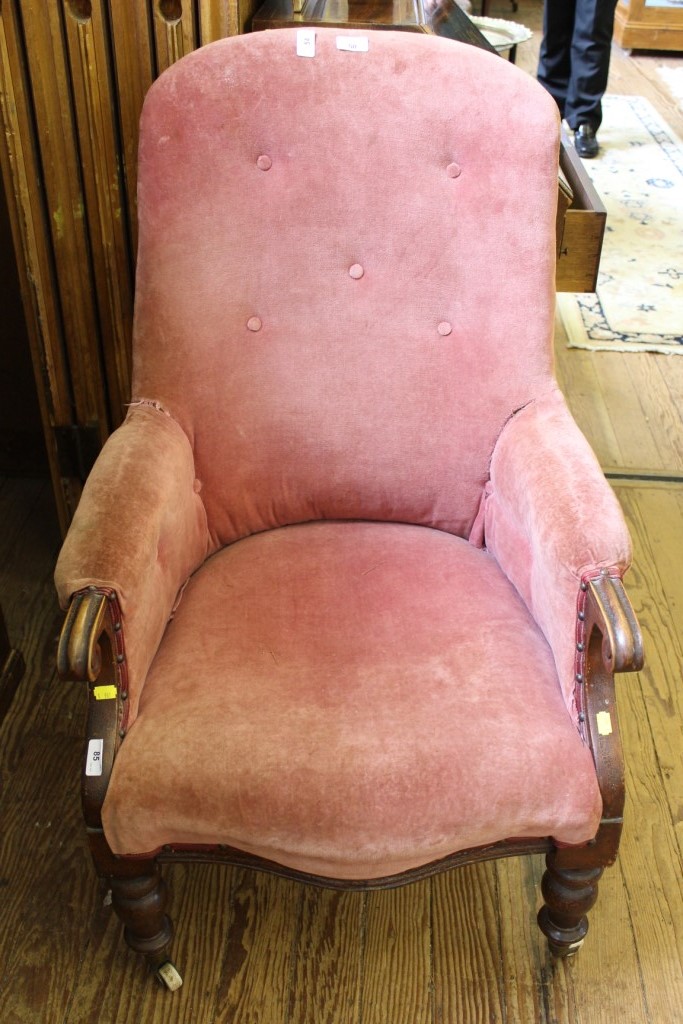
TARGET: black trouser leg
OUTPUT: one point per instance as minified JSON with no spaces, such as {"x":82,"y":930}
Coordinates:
{"x":590,"y":59}
{"x":554,"y":62}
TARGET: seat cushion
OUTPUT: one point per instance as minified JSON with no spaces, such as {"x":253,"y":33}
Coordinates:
{"x":351,"y":699}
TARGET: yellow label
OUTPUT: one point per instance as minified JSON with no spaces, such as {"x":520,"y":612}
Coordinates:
{"x":105,"y":692}
{"x":604,"y":723}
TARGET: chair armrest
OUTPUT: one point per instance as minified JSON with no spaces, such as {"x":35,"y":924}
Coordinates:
{"x":552,"y":521}
{"x":139,"y":531}
{"x":610,"y":612}
{"x":608,"y":640}
{"x":91,"y":650}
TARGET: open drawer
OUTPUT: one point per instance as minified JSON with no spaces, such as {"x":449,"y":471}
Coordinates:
{"x":581,"y":218}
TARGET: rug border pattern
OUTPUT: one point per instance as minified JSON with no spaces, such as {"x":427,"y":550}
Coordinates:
{"x":579,"y":309}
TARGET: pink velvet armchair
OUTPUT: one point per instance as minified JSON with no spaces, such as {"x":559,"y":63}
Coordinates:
{"x":345,"y":587}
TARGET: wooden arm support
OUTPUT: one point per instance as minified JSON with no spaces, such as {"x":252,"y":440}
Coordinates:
{"x":608,"y":640}
{"x":610,"y":611}
{"x":79,"y":651}
{"x":91,"y":650}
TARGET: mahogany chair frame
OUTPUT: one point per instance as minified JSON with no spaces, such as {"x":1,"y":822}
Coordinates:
{"x":608,"y":640}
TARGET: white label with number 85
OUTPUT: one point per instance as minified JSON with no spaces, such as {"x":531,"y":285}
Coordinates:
{"x":93,"y":762}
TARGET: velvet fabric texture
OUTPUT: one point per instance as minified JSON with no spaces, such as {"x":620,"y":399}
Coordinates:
{"x":345,"y":273}
{"x":550,"y":520}
{"x":140,"y":530}
{"x":347,"y":434}
{"x":351,"y":699}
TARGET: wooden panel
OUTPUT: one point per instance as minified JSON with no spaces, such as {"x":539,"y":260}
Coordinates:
{"x":218,"y":20}
{"x":74,"y":74}
{"x":62,"y":183}
{"x":133,"y":56}
{"x":95,"y":105}
{"x":584,"y":227}
{"x":580,"y":247}
{"x":22,"y":176}
{"x":174,"y":31}
{"x":642,"y":26}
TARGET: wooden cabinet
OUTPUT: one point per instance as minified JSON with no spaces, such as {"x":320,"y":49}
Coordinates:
{"x":649,"y":25}
{"x":73,"y":74}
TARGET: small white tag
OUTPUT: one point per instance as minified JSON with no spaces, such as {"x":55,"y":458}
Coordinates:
{"x":604,"y":723}
{"x":305,"y":42}
{"x":93,"y":762}
{"x":356,"y":44}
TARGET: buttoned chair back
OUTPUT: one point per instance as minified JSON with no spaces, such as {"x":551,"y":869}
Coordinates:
{"x":344,"y":261}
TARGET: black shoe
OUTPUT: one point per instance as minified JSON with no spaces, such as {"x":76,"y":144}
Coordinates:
{"x":585,"y":142}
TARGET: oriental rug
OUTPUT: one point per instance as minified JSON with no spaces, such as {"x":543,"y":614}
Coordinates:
{"x":638,"y":305}
{"x":673,"y":79}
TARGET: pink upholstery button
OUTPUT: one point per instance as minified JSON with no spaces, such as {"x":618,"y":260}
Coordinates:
{"x":254,"y":323}
{"x":356,"y":271}
{"x":444,"y":328}
{"x":453,"y":170}
{"x":264,"y":163}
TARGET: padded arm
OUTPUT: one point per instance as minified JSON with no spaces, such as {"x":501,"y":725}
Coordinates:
{"x":551,"y":520}
{"x":140,"y":530}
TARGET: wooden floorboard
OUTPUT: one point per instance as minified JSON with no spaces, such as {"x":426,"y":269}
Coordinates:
{"x":397,"y":962}
{"x":466,"y":951}
{"x":463,"y":948}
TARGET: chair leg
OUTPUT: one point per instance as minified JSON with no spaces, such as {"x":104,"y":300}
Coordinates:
{"x":140,"y":904}
{"x":569,"y":895}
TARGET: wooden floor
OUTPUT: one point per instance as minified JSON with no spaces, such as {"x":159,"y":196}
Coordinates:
{"x":460,"y":949}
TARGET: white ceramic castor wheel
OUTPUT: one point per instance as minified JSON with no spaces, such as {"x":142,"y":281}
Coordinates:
{"x":169,"y":976}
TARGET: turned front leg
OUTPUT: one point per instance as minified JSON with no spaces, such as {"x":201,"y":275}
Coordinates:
{"x":569,"y":895}
{"x":140,"y":903}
